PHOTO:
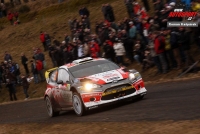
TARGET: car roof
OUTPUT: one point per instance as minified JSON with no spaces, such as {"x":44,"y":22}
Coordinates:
{"x":66,"y":66}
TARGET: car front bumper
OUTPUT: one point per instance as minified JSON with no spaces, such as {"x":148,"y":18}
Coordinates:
{"x":95,"y":99}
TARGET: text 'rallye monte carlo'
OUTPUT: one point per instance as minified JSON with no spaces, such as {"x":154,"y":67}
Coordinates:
{"x":89,"y":83}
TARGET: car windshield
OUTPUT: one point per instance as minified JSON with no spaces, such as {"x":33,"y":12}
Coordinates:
{"x":93,"y":67}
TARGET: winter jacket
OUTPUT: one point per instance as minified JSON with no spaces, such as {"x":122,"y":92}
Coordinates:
{"x":119,"y":49}
{"x":24,"y":60}
{"x":33,"y":68}
{"x":39,"y":65}
{"x":109,"y":51}
{"x":132,"y":32}
{"x":42,"y":37}
{"x":25,"y":83}
{"x":10,"y":16}
{"x":159,"y":44}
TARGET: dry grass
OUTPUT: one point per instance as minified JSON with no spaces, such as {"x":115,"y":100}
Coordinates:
{"x":142,"y":127}
{"x":46,"y":16}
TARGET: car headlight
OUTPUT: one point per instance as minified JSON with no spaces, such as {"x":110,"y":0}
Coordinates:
{"x":133,"y":76}
{"x":90,"y":86}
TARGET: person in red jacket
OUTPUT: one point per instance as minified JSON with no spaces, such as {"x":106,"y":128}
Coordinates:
{"x":10,"y":17}
{"x":94,"y":49}
{"x":42,"y":39}
{"x":39,"y":68}
{"x":159,"y":46}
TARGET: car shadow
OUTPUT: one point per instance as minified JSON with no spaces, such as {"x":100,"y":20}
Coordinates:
{"x":104,"y":108}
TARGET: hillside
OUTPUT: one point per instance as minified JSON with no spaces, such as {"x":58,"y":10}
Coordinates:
{"x":52,"y":17}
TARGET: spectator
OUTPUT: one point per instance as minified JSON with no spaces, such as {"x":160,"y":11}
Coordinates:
{"x":51,"y":55}
{"x":108,"y":52}
{"x":80,"y":50}
{"x":47,"y":40}
{"x":129,"y":7}
{"x":34,"y":71}
{"x":41,"y":57}
{"x":11,"y":89}
{"x":153,"y":54}
{"x":186,"y":49}
{"x":68,"y":57}
{"x":25,"y":85}
{"x":138,"y":52}
{"x":109,"y":13}
{"x":7,"y":56}
{"x":84,"y":12}
{"x":10,"y":18}
{"x":119,"y":51}
{"x":3,"y":9}
{"x":42,"y":39}
{"x":24,"y":61}
{"x":159,"y":42}
{"x":39,"y":68}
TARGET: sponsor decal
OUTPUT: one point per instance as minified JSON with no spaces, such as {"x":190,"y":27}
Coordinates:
{"x":106,"y":76}
{"x":117,"y":90}
{"x":180,"y":13}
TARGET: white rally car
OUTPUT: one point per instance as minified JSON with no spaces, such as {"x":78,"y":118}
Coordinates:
{"x":89,"y":83}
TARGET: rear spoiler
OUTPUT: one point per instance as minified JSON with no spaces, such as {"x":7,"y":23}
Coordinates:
{"x":48,"y":72}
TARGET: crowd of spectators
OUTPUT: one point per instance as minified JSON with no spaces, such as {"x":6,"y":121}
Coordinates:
{"x":141,"y":38}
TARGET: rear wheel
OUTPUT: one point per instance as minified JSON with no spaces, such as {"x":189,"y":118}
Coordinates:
{"x":78,"y":106}
{"x":50,"y":109}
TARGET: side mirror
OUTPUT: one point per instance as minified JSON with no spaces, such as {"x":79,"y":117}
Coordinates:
{"x":67,"y":82}
{"x":60,"y":82}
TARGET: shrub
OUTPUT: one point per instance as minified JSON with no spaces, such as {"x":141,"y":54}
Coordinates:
{"x":24,"y":9}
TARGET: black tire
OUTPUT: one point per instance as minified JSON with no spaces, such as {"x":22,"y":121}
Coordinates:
{"x":51,"y":112}
{"x":141,"y":97}
{"x":78,"y":106}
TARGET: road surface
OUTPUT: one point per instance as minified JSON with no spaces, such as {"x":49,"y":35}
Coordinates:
{"x":165,"y":101}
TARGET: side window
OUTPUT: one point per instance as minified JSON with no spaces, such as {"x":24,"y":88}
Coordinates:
{"x":53,"y":77}
{"x":63,"y":75}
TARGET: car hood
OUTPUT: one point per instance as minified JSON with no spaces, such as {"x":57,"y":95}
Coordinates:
{"x":107,"y":77}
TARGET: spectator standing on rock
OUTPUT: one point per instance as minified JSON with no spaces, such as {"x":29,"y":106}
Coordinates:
{"x":42,"y":39}
{"x":24,"y":61}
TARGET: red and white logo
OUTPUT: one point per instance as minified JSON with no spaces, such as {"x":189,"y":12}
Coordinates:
{"x":180,"y":13}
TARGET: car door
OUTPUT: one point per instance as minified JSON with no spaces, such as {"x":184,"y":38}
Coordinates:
{"x":52,"y":84}
{"x":64,"y":88}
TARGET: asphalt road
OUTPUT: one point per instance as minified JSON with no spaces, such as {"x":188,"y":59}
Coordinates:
{"x":166,"y":101}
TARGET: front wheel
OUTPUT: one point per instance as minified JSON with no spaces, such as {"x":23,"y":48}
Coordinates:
{"x":78,"y":106}
{"x":50,"y":109}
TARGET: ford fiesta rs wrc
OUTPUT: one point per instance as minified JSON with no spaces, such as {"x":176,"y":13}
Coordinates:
{"x":89,"y":83}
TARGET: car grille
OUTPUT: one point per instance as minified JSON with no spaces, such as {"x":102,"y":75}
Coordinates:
{"x":117,"y":91}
